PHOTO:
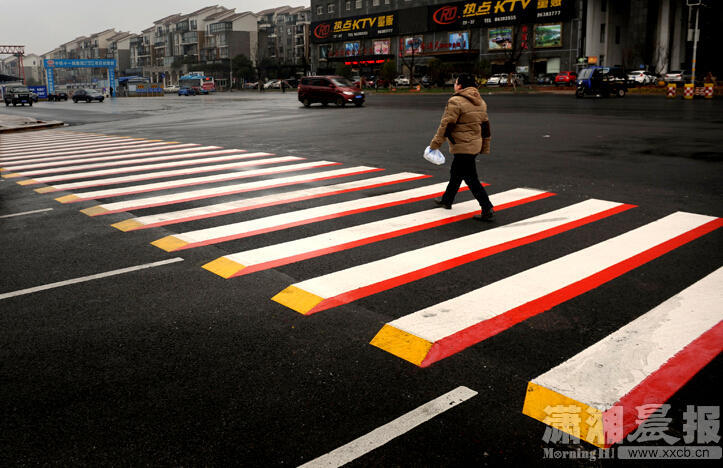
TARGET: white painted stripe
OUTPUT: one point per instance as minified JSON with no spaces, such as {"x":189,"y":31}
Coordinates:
{"x":202,"y":151}
{"x":17,"y":142}
{"x":138,"y":203}
{"x":391,"y":430}
{"x":452,"y":316}
{"x":61,"y":146}
{"x":88,"y":278}
{"x":173,"y":173}
{"x":115,"y":155}
{"x":128,"y":190}
{"x":360,"y":276}
{"x":68,"y":148}
{"x":125,"y":149}
{"x":602,"y":374}
{"x":308,"y":215}
{"x":25,"y":213}
{"x":148,"y":167}
{"x":360,"y":232}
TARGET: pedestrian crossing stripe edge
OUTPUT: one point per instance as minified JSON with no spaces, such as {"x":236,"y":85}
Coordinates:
{"x":300,"y":300}
{"x":672,"y":365}
{"x":423,"y":352}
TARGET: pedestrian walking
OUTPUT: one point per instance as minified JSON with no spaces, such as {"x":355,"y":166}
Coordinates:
{"x":466,"y":125}
{"x":283,"y":86}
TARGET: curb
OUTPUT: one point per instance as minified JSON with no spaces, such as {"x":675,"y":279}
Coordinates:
{"x":29,"y":127}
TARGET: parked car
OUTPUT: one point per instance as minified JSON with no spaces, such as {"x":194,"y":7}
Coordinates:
{"x":187,"y":91}
{"x":640,"y":77}
{"x":326,"y":89}
{"x":602,"y":81}
{"x":18,"y":95}
{"x":171,"y":89}
{"x":87,"y":95}
{"x":273,"y":84}
{"x":566,"y":78}
{"x":58,"y":96}
{"x":546,"y":78}
{"x":251,"y":85}
{"x":33,"y":96}
{"x":499,"y":79}
{"x":401,"y":80}
{"x":677,"y":76}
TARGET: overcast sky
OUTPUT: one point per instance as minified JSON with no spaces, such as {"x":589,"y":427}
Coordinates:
{"x":50,"y":23}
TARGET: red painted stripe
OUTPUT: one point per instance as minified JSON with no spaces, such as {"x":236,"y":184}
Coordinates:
{"x":461,"y":260}
{"x":308,"y":221}
{"x":483,"y":330}
{"x":261,"y":205}
{"x":235,"y":176}
{"x":380,"y":237}
{"x":659,"y":386}
{"x":184,"y":171}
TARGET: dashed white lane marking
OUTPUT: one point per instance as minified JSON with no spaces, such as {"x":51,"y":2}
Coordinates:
{"x":82,"y":279}
{"x":393,"y":429}
{"x":25,"y":213}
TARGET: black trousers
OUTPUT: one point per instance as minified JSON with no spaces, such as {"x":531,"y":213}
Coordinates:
{"x":463,"y":168}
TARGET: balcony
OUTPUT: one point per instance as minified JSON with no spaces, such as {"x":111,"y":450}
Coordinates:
{"x":159,"y":44}
{"x":182,"y":27}
{"x":220,"y":27}
{"x":189,"y":38}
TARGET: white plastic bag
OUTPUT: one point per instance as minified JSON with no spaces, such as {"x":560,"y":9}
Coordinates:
{"x":434,"y":156}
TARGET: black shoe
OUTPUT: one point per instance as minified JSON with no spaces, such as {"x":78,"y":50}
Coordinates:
{"x":442,"y":204}
{"x":487,"y":215}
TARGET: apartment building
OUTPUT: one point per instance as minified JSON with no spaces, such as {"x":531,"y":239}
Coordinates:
{"x":119,"y":49}
{"x":95,"y":46}
{"x":284,"y":36}
{"x":32,"y":68}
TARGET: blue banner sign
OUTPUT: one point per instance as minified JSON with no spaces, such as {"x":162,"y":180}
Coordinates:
{"x":41,"y":91}
{"x":80,"y":63}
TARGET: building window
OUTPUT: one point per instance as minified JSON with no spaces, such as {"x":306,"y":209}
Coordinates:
{"x":617,"y":34}
{"x":348,"y":5}
{"x":602,"y":32}
{"x":375,"y":2}
{"x":330,"y":8}
{"x":603,"y":5}
{"x":320,"y":10}
{"x":193,"y":25}
{"x":359,"y":3}
{"x":387,"y":2}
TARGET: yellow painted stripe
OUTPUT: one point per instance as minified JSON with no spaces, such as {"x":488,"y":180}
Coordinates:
{"x":297,"y":299}
{"x":127,"y":225}
{"x":224,"y":267}
{"x":94,"y":210}
{"x":67,"y":198}
{"x":539,"y":398}
{"x":169,"y":243}
{"x":402,"y":344}
{"x":11,"y":175}
{"x":45,"y":189}
{"x":27,"y":182}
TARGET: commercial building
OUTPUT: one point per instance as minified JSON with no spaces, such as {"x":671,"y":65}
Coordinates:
{"x":490,"y":36}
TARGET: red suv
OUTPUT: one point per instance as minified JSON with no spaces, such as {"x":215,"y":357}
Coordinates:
{"x":566,"y":78}
{"x":326,"y":89}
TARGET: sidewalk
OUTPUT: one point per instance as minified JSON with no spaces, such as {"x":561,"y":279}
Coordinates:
{"x":18,"y":123}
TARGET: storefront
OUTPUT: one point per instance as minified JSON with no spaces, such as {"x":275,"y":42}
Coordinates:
{"x":539,"y":36}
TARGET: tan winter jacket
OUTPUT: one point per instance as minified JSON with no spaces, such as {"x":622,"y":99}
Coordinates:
{"x":462,"y":123}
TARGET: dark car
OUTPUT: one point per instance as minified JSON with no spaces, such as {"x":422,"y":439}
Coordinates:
{"x":59,"y":96}
{"x":87,"y":95}
{"x":18,"y":95}
{"x":326,"y":89}
{"x":602,"y":81}
{"x":546,"y":78}
{"x":186,"y":91}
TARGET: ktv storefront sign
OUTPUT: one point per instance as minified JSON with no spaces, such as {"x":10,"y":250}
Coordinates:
{"x":497,"y":12}
{"x":357,"y":27}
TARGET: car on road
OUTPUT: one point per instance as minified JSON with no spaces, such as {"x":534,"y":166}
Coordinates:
{"x":677,"y":76}
{"x":499,"y":79}
{"x":326,"y":89}
{"x":602,"y":81}
{"x":273,"y":84}
{"x":171,"y":89}
{"x":58,"y":96}
{"x":401,"y":80}
{"x":18,"y":95}
{"x":187,"y":91}
{"x":87,"y":95}
{"x":566,"y":78}
{"x":640,"y":77}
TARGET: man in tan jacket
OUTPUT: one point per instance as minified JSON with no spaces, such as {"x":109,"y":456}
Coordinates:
{"x":466,"y":125}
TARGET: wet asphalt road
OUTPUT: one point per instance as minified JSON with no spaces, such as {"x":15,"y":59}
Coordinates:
{"x":176,"y":366}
